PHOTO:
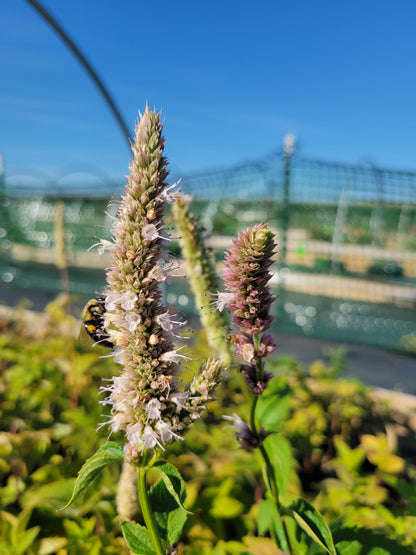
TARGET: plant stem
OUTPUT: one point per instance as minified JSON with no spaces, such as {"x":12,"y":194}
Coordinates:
{"x":259,"y":365}
{"x":280,"y":533}
{"x":271,"y":476}
{"x":253,"y":416}
{"x":147,"y":511}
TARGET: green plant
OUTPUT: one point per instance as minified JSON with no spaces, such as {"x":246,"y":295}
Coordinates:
{"x":306,"y":439}
{"x":385,"y":268}
{"x":223,"y":482}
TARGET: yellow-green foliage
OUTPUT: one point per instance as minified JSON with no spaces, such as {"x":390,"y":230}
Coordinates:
{"x":341,"y":458}
{"x":49,"y":413}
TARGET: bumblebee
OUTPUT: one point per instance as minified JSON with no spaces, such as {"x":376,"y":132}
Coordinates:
{"x":93,"y":322}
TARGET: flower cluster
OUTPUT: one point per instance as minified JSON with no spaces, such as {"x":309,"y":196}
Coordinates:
{"x":248,"y":299}
{"x":246,"y":276}
{"x":146,"y":402}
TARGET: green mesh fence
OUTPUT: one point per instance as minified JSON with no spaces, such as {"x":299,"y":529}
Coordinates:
{"x":346,"y":234}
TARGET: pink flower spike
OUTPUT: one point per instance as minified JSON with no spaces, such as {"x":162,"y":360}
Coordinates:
{"x":246,"y":276}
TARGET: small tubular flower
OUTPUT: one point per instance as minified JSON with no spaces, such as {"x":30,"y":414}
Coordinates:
{"x":247,"y":438}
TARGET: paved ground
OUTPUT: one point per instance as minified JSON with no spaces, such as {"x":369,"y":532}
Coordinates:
{"x":374,"y":366}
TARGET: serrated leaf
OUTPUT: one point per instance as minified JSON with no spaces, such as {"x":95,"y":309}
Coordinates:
{"x":356,"y":541}
{"x":280,"y":453}
{"x":138,"y":538}
{"x":90,"y":471}
{"x":171,"y":478}
{"x":50,"y":495}
{"x":311,"y":521}
{"x":169,"y":516}
{"x":113,"y":447}
{"x":273,"y":406}
{"x":168,"y":509}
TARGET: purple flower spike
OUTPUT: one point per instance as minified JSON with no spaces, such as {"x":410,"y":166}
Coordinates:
{"x":246,"y":276}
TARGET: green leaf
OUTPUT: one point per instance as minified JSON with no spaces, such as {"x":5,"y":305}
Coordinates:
{"x":311,"y":521}
{"x":273,"y":406}
{"x":265,"y":515}
{"x":91,"y":469}
{"x":49,"y":546}
{"x":138,"y":538}
{"x":269,"y":519}
{"x":352,"y":459}
{"x":48,"y":495}
{"x":170,"y":516}
{"x":171,"y":478}
{"x":15,"y":538}
{"x":297,"y":542}
{"x":279,"y":450}
{"x":225,"y":506}
{"x":114,"y":448}
{"x":356,"y":541}
{"x":25,"y":539}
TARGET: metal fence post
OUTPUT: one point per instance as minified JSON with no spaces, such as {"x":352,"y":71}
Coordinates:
{"x":5,"y":244}
{"x":288,"y":149}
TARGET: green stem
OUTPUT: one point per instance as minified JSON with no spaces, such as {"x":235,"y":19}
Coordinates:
{"x":281,"y":530}
{"x":147,"y":511}
{"x":253,"y":416}
{"x":259,"y":365}
{"x":280,"y":533}
{"x":271,"y":476}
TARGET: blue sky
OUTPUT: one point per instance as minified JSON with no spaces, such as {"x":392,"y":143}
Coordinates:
{"x":231,"y":77}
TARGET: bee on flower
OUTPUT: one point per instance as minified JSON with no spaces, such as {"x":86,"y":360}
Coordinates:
{"x":146,"y":401}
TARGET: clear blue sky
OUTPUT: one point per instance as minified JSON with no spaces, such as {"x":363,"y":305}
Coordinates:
{"x":232,"y":77}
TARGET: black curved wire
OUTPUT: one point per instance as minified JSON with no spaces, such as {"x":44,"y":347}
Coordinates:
{"x":85,"y":63}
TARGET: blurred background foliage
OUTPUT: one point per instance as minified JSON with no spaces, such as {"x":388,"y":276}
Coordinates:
{"x":335,"y":443}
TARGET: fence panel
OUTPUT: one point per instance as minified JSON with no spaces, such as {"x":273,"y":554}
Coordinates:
{"x":346,"y":234}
